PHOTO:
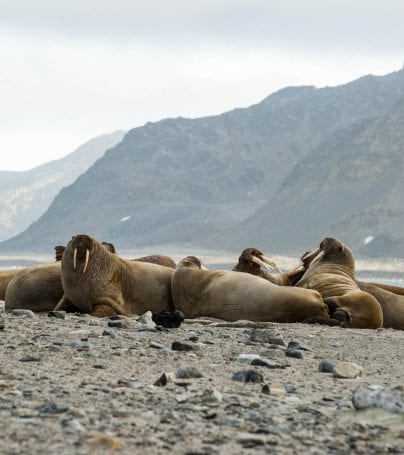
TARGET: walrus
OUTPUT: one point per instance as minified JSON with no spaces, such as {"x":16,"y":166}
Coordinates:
{"x":255,"y":262}
{"x":37,"y":288}
{"x":5,"y":277}
{"x":331,"y":272}
{"x":103,"y":284}
{"x":59,"y":252}
{"x":158,"y":259}
{"x":233,"y":296}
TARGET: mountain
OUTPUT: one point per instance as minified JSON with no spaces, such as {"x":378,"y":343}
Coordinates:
{"x":246,"y":177}
{"x":349,"y":187}
{"x":25,"y":196}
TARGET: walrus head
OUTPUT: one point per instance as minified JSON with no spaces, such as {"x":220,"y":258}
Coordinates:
{"x":252,"y":260}
{"x":329,"y":250}
{"x":191,"y":261}
{"x":59,"y":250}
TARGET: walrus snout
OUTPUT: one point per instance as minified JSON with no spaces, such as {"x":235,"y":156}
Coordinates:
{"x":191,"y":261}
{"x":82,"y":245}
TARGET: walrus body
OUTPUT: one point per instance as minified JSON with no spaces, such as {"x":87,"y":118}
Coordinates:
{"x":233,"y":296}
{"x":36,"y":288}
{"x":101,"y":283}
{"x":331,"y":270}
{"x":158,"y":259}
{"x":255,"y":262}
{"x":391,"y":303}
{"x":5,"y":277}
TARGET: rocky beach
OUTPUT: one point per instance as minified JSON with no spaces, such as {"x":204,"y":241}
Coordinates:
{"x":76,"y":384}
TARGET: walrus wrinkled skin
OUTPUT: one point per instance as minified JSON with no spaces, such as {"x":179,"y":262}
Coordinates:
{"x":102,"y":284}
{"x":5,"y":277}
{"x":392,"y":304}
{"x":255,"y":262}
{"x":331,"y":272}
{"x":233,"y":296}
{"x":36,"y":288}
{"x":158,"y":259}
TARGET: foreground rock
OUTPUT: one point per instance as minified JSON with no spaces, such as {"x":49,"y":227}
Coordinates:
{"x":75,"y":385}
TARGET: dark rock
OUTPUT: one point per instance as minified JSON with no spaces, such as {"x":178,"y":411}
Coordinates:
{"x":168,"y":319}
{"x":1,"y":323}
{"x":164,"y":379}
{"x":187,"y":372}
{"x":295,"y":353}
{"x":248,"y":376}
{"x":269,"y":363}
{"x":52,"y":408}
{"x":57,"y":314}
{"x":179,"y":346}
{"x":108,"y":333}
{"x":327,"y":366}
{"x":31,"y":358}
{"x":296,"y":345}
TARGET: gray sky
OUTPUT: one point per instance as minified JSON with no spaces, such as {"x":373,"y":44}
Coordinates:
{"x":71,"y":70}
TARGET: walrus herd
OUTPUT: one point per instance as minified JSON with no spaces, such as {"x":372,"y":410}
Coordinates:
{"x":88,"y":276}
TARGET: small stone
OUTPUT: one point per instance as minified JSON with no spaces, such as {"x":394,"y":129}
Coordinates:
{"x":72,"y":426}
{"x":52,"y":408}
{"x":274,"y":389}
{"x":119,"y":323}
{"x":248,"y":376}
{"x":294,"y":353}
{"x":250,"y":440}
{"x":1,"y":323}
{"x":266,"y":336}
{"x":212,"y":396}
{"x":108,"y":333}
{"x":155,"y":345}
{"x":180,"y":346}
{"x":247,"y":358}
{"x":31,"y":358}
{"x":269,"y":363}
{"x":376,"y":396}
{"x":146,"y":319}
{"x":23,"y":313}
{"x":347,"y":370}
{"x":164,"y":379}
{"x":188,"y":372}
{"x":292,"y":345}
{"x":327,"y":366}
{"x":57,"y":314}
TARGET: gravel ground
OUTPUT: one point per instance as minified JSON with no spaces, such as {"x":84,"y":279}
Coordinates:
{"x":79,"y":385}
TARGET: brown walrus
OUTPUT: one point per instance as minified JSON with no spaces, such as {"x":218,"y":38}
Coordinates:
{"x":392,"y":304}
{"x":59,"y":249}
{"x":233,"y":296}
{"x":255,"y":262}
{"x":331,"y":272}
{"x":101,"y":283}
{"x":5,"y":277}
{"x":36,"y":288}
{"x":158,"y":259}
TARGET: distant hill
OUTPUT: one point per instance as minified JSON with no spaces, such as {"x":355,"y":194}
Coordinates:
{"x":25,"y":196}
{"x":280,"y":174}
{"x":351,"y":186}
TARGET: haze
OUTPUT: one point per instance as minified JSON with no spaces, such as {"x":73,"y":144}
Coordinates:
{"x":72,"y":70}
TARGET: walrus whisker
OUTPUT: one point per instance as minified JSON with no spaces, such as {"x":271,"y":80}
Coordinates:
{"x":74,"y":258}
{"x":86,"y":262}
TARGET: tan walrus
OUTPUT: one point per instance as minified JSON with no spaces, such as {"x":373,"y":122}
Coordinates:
{"x":331,"y":272}
{"x":233,"y":296}
{"x":255,"y":262}
{"x":37,"y":288}
{"x":5,"y":277}
{"x":158,"y":259}
{"x":101,"y":283}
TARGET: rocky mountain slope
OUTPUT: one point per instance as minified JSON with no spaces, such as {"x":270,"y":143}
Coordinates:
{"x":25,"y":196}
{"x":273,"y":167}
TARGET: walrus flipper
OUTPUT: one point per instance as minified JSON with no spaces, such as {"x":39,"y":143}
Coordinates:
{"x":65,"y":304}
{"x":106,"y":307}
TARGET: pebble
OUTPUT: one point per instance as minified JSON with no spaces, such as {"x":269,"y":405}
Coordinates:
{"x":57,"y":314}
{"x":212,"y":396}
{"x":23,"y":313}
{"x":327,"y":366}
{"x":267,"y":336}
{"x":248,"y":376}
{"x":248,"y":357}
{"x":180,"y":346}
{"x":164,"y":379}
{"x":187,"y":372}
{"x":270,"y":363}
{"x":294,"y":353}
{"x":275,"y":389}
{"x":296,"y":345}
{"x":370,"y":396}
{"x":31,"y":358}
{"x":347,"y":370}
{"x":52,"y":408}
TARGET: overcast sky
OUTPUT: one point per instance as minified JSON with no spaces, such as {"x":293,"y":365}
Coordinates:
{"x":72,"y":70}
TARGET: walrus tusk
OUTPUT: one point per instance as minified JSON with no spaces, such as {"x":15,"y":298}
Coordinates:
{"x":266,"y":264}
{"x":271,"y":263}
{"x":311,"y":255}
{"x":74,"y":258}
{"x":86,"y":262}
